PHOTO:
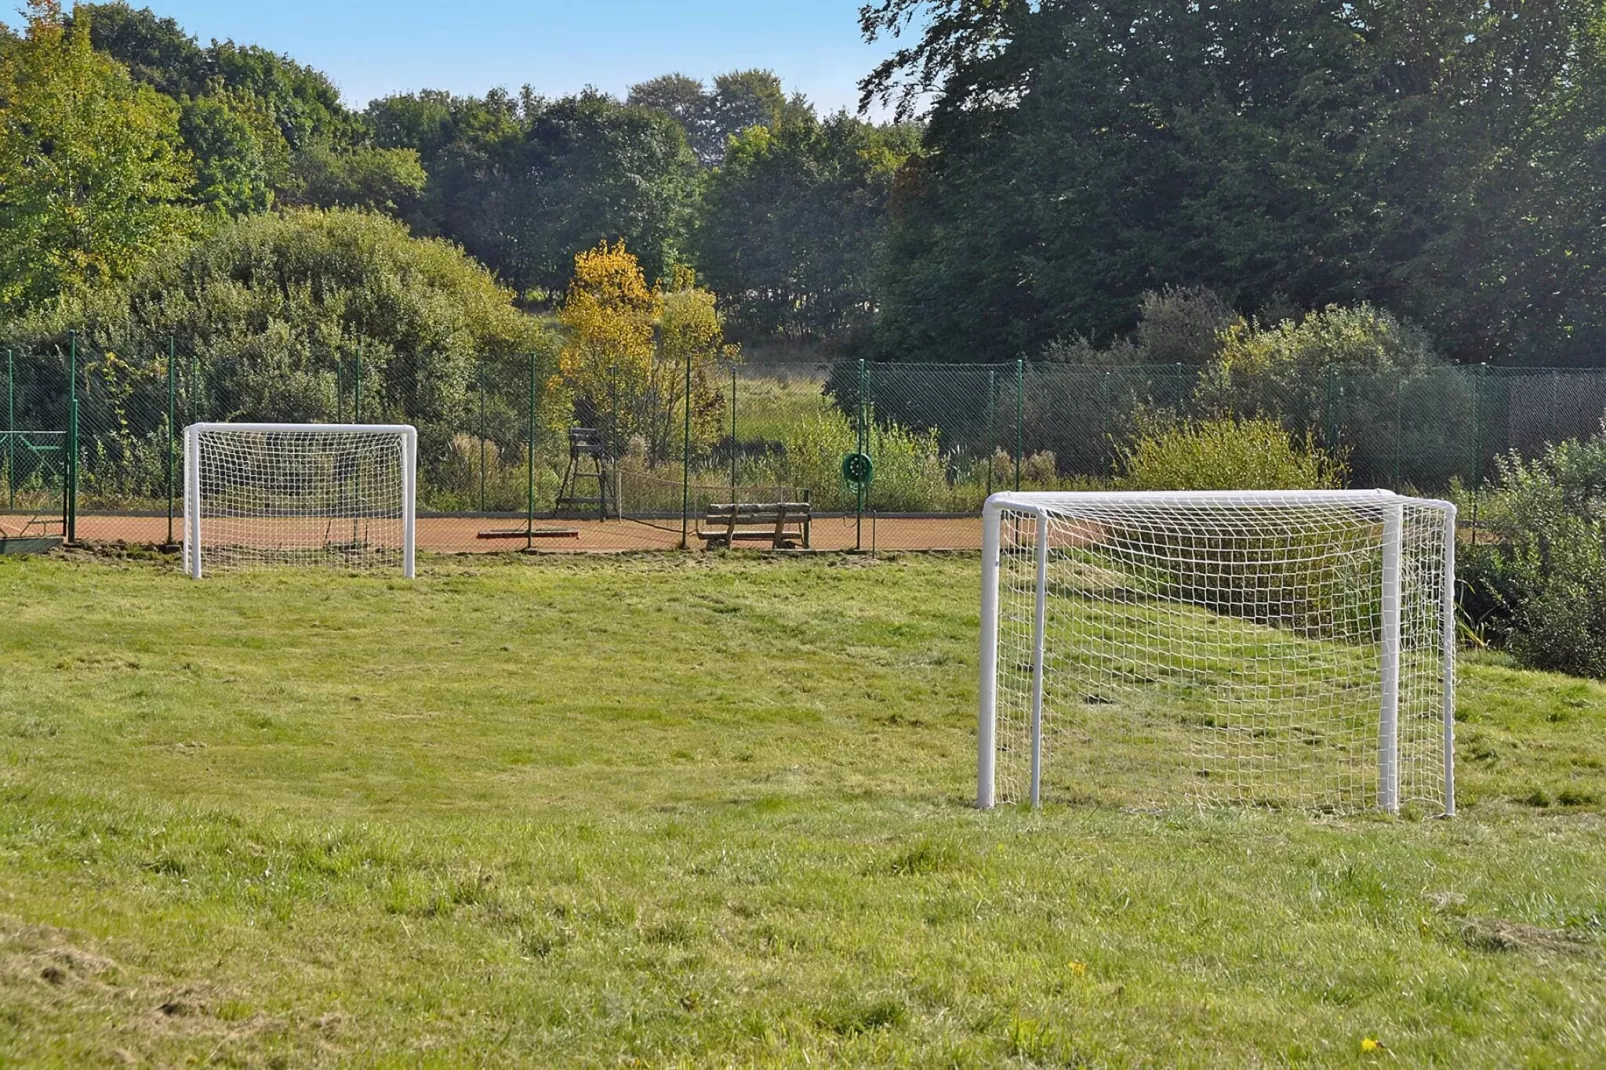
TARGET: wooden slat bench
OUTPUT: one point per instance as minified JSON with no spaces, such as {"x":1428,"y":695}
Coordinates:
{"x":784,"y":525}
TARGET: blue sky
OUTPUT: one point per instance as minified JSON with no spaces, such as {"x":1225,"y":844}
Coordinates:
{"x":374,"y":47}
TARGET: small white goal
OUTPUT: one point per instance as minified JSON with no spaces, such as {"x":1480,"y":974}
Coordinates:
{"x":299,"y":494}
{"x":1277,"y":648}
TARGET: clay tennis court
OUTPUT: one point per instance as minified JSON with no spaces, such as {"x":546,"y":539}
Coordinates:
{"x":461,"y":534}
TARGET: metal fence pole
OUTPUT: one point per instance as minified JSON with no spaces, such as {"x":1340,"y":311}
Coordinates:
{"x":172,"y":420}
{"x":529,"y":465}
{"x":356,"y":394}
{"x":1020,"y":415}
{"x":1399,"y":431}
{"x":482,"y":434}
{"x":11,"y":427}
{"x":70,"y":494}
{"x":685,"y":464}
{"x":992,"y":419}
{"x":1477,"y":443}
{"x":1331,"y":405}
{"x":864,"y":448}
{"x":733,"y":433}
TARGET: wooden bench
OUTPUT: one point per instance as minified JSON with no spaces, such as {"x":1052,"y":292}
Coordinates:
{"x":784,"y":525}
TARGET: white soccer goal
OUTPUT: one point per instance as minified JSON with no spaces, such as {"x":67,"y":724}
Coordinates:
{"x":301,"y":494}
{"x":1279,"y":648}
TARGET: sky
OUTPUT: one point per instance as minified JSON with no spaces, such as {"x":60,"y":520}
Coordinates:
{"x":371,"y":48}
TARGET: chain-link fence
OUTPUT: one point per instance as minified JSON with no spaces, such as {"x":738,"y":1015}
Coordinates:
{"x":509,"y":459}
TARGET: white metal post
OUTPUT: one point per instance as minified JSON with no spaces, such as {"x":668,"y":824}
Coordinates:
{"x":192,"y":500}
{"x":1449,"y":655}
{"x":1039,"y":626}
{"x":409,"y":499}
{"x":1389,"y":722}
{"x":987,"y":719}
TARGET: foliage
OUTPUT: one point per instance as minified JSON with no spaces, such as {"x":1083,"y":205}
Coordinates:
{"x":791,"y":223}
{"x":910,"y":468}
{"x":92,"y":174}
{"x":387,"y":180}
{"x":1443,"y":163}
{"x":526,"y":183}
{"x":1358,"y":369}
{"x":269,"y":303}
{"x":711,"y":117}
{"x":630,"y":348}
{"x":1223,"y":453}
{"x":1536,"y":588}
{"x":241,"y":158}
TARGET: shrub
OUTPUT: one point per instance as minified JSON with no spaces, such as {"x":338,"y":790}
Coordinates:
{"x":910,"y":469}
{"x":1225,"y":453}
{"x":1357,"y":368}
{"x":1536,"y":588}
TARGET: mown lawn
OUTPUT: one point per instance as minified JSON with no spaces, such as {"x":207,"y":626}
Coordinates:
{"x":703,"y":810}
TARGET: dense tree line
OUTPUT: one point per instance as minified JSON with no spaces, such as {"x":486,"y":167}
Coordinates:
{"x":1447,"y":162}
{"x":1056,"y":161}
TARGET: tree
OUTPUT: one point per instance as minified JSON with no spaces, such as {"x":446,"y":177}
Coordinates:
{"x":268,"y":302}
{"x":629,"y":348}
{"x":791,"y":223}
{"x":710,"y":118}
{"x":93,"y":176}
{"x":388,"y":180}
{"x":241,"y":159}
{"x":1323,"y":152}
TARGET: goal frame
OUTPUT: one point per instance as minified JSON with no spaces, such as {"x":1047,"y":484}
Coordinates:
{"x":407,"y":433}
{"x":1043,"y":504}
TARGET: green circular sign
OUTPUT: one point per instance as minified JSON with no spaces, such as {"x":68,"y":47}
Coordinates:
{"x":857,"y":469}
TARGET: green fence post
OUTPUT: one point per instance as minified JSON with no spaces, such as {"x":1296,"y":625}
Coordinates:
{"x":863,"y":447}
{"x":529,"y":465}
{"x":11,"y":427}
{"x":356,"y":395}
{"x":482,"y":434}
{"x":992,"y":419}
{"x":733,"y":432}
{"x":70,"y":492}
{"x":1330,"y":416}
{"x":172,"y":420}
{"x":685,"y":464}
{"x":1020,"y":415}
{"x":1477,"y":443}
{"x":1399,"y":432}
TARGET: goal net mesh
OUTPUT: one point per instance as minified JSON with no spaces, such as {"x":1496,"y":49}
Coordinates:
{"x":303,"y":496}
{"x":1219,"y":652}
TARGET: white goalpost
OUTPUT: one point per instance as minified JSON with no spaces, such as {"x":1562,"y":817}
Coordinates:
{"x":1276,"y":648}
{"x":300,"y":494}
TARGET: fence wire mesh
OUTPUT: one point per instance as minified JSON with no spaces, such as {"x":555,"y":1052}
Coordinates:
{"x":511,"y":459}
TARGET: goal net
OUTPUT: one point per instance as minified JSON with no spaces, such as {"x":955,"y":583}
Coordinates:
{"x":1277,"y":648}
{"x":299,"y":494}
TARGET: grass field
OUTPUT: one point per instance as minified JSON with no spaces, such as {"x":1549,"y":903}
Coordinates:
{"x":706,"y":811}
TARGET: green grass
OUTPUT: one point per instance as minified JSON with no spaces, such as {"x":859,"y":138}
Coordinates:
{"x":705,"y":811}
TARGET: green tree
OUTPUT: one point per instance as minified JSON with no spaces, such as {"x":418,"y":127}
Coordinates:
{"x":93,"y":177}
{"x":266,"y":303}
{"x":711,"y":117}
{"x":388,"y":180}
{"x":1079,"y":156}
{"x":792,"y":221}
{"x":241,"y":159}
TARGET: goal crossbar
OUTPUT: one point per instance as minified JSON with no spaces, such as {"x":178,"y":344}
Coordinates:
{"x":384,"y":490}
{"x":1075,"y":534}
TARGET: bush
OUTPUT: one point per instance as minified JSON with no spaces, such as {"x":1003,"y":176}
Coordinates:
{"x":1226,"y":453}
{"x":1536,"y":588}
{"x":1355,"y":368}
{"x":910,"y":469}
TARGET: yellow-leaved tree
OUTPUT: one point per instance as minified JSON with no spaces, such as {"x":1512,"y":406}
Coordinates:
{"x":629,"y":349}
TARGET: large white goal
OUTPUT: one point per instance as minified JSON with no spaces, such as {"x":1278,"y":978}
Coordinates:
{"x":302,"y":494}
{"x":1277,"y":648}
